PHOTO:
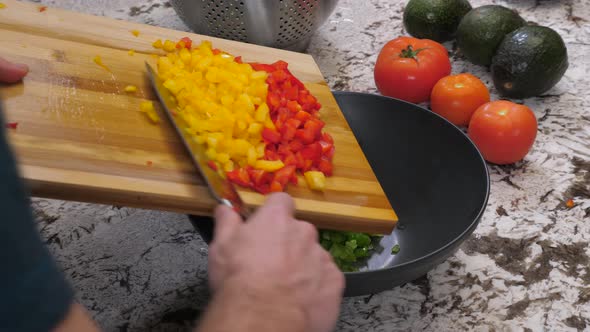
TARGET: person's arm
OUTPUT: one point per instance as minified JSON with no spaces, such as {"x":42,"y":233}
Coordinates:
{"x":34,"y":294}
{"x":270,"y":273}
{"x":238,"y":307}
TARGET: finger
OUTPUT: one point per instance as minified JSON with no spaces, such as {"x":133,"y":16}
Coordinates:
{"x":226,"y":221}
{"x":277,"y":207}
{"x":12,"y":72}
{"x":307,"y":232}
{"x":326,"y":258}
{"x":333,"y":277}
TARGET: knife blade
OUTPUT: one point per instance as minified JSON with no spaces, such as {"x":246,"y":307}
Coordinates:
{"x":220,"y":188}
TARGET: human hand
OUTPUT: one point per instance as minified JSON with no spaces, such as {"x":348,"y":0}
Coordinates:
{"x":12,"y":72}
{"x":278,"y":258}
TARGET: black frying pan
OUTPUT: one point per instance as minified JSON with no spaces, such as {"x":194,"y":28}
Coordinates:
{"x":433,"y":175}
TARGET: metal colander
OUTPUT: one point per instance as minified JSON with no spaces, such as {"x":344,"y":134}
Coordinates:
{"x":286,"y":24}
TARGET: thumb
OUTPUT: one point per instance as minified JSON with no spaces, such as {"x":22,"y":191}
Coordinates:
{"x":12,"y":72}
{"x":226,"y":221}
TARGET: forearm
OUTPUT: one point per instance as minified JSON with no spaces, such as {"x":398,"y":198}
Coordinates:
{"x":77,"y":320}
{"x":239,"y":308}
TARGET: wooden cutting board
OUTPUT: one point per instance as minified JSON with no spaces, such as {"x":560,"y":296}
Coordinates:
{"x":81,"y":137}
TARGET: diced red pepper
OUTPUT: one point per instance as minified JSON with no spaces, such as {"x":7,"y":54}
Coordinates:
{"x":302,"y":116}
{"x":262,"y":67}
{"x":259,"y":177}
{"x":271,"y":154}
{"x":306,"y":136}
{"x":312,"y":152}
{"x":288,"y":132}
{"x":212,"y":165}
{"x":330,"y":153}
{"x":186,"y":43}
{"x":280,"y":65}
{"x":298,"y":140}
{"x":296,"y":145}
{"x":274,"y":100}
{"x":292,"y":93}
{"x":239,"y":176}
{"x":283,"y":175}
{"x":327,"y":138}
{"x":238,"y":59}
{"x":325,"y":166}
{"x":294,"y":179}
{"x":271,"y":136}
{"x":276,"y":187}
{"x":216,"y":51}
{"x":279,"y":76}
{"x":315,"y":126}
{"x":290,"y":159}
{"x":326,"y":146}
{"x":307,"y":165}
{"x":12,"y":125}
{"x":293,"y":105}
{"x":42,"y":8}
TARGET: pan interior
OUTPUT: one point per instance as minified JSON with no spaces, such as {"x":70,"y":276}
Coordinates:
{"x":433,"y":175}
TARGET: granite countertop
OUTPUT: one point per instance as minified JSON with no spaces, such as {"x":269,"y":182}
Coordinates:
{"x":526,"y":267}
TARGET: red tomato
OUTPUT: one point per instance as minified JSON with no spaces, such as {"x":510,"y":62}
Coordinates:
{"x":456,"y":97}
{"x":408,"y":68}
{"x":503,"y":131}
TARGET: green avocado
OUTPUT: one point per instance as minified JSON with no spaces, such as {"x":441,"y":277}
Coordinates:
{"x":529,"y":61}
{"x":434,"y":19}
{"x":483,"y":29}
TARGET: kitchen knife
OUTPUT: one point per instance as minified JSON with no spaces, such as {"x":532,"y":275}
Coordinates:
{"x":221,"y":188}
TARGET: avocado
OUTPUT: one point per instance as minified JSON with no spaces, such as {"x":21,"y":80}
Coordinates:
{"x":483,"y":29}
{"x":434,"y":19}
{"x":529,"y":61}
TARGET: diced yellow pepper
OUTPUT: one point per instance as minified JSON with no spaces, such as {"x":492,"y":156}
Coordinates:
{"x":252,"y":156}
{"x":172,"y":85}
{"x":255,"y":129}
{"x":169,"y":46}
{"x":185,"y":55}
{"x":211,"y":153}
{"x":315,"y":180}
{"x":135,"y":33}
{"x":98,"y":60}
{"x":262,"y":113}
{"x":269,"y":165}
{"x":148,"y":108}
{"x":131,"y":52}
{"x":241,"y":147}
{"x":229,"y":166}
{"x":2,"y":6}
{"x":222,"y":101}
{"x":130,"y":88}
{"x":222,"y":157}
{"x":260,"y":148}
{"x":157,"y":44}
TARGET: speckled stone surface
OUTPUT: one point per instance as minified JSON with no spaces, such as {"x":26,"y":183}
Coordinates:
{"x":526,"y":267}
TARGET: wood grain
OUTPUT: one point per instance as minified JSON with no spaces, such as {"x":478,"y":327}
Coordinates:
{"x":81,"y":137}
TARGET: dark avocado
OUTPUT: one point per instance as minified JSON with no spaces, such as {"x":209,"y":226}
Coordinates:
{"x":529,"y":61}
{"x":483,"y":29}
{"x":434,"y":19}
